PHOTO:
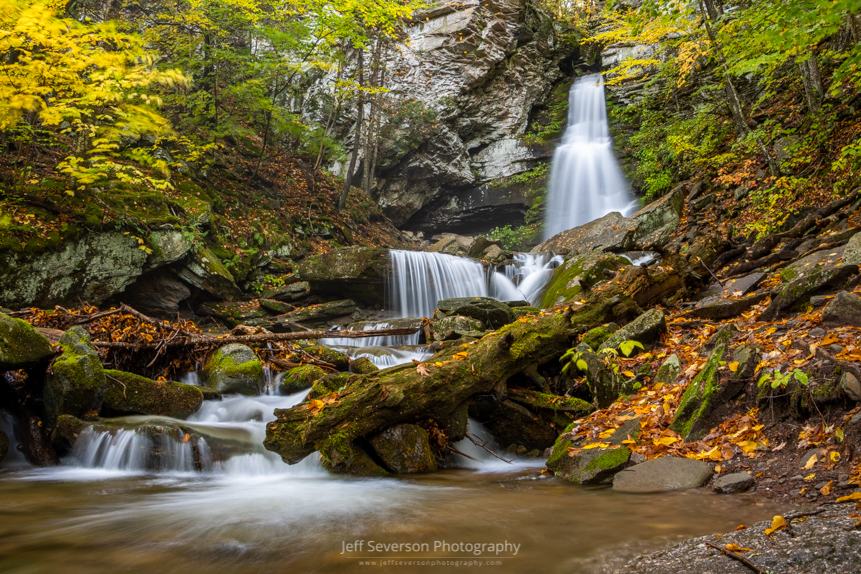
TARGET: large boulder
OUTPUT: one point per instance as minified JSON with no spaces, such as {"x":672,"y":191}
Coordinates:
{"x":300,"y":378}
{"x":359,"y":271}
{"x":663,"y":474}
{"x":21,"y":346}
{"x":205,"y":271}
{"x":805,"y":278}
{"x":92,"y":269}
{"x":593,"y":465}
{"x":700,"y":399}
{"x":852,"y":251}
{"x":127,"y":393}
{"x":844,"y":310}
{"x":319,"y":314}
{"x":645,"y":329}
{"x":404,"y":449}
{"x":718,"y":308}
{"x":168,"y":246}
{"x":577,"y":274}
{"x":234,"y":368}
{"x":76,"y":384}
{"x":490,"y":312}
{"x":455,"y":327}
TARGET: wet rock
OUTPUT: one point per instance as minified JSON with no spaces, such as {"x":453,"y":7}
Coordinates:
{"x":205,"y":271}
{"x":578,"y":274}
{"x":276,"y":306}
{"x":4,"y":445}
{"x":21,"y":346}
{"x":127,"y":393}
{"x":843,"y":310}
{"x":593,"y":466}
{"x":291,"y":292}
{"x":157,"y":293}
{"x":359,"y":271}
{"x":480,"y":246}
{"x":851,"y":386}
{"x":613,"y":232}
{"x":717,"y":309}
{"x":337,"y":359}
{"x":741,"y":287}
{"x":317,"y":315}
{"x":234,"y":368}
{"x":209,"y":394}
{"x":808,"y":282}
{"x":495,"y":255}
{"x":658,"y":220}
{"x":669,"y":371}
{"x":93,"y":269}
{"x":76,"y":385}
{"x":645,"y":329}
{"x":491,"y":312}
{"x":510,"y":422}
{"x":340,"y":457}
{"x":404,"y":449}
{"x":300,"y":378}
{"x":733,"y":483}
{"x":363,"y":366}
{"x":663,"y":474}
{"x":448,"y":246}
{"x":598,"y":335}
{"x":700,"y":399}
{"x":455,"y":327}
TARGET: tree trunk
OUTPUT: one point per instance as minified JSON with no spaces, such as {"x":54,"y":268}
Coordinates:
{"x":348,"y":176}
{"x":854,"y":27}
{"x":712,"y":9}
{"x":739,"y":121}
{"x":814,"y":90}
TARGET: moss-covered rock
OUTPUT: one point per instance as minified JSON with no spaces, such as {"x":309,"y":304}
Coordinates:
{"x":359,"y":271}
{"x":127,"y":393}
{"x":340,"y":456}
{"x":206,"y":271}
{"x":76,"y":384}
{"x":645,"y":329}
{"x":337,"y":359}
{"x":234,"y":368}
{"x":510,"y":422}
{"x":598,"y":335}
{"x":455,"y":327}
{"x":319,"y":314}
{"x":700,"y":399}
{"x":569,"y":279}
{"x":300,"y":378}
{"x":66,"y":432}
{"x":404,"y":449}
{"x":329,"y":384}
{"x":595,"y":465}
{"x":525,"y":311}
{"x":669,"y":371}
{"x":22,"y":346}
{"x":490,"y":312}
{"x":277,"y":307}
{"x":363,"y":366}
{"x":798,"y":292}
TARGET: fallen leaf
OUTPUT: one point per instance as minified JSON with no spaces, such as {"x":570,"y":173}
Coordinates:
{"x":777,"y":523}
{"x":826,"y":490}
{"x":629,"y":374}
{"x":737,"y":548}
{"x":423,"y":370}
{"x":810,"y":476}
{"x":596,"y":445}
{"x":740,"y":527}
{"x":810,"y":462}
{"x":733,"y":366}
{"x":850,"y":498}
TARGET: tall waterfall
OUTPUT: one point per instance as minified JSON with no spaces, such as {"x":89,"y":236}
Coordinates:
{"x":586,"y":182}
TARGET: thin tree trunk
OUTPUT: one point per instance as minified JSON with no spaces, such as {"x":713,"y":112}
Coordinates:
{"x":369,"y":129}
{"x":852,"y":21}
{"x":348,"y":176}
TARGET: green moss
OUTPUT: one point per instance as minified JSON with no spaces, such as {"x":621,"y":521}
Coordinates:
{"x":130,"y":393}
{"x":21,"y":346}
{"x":329,"y":384}
{"x":300,"y":378}
{"x":77,"y":383}
{"x":598,"y":335}
{"x":697,"y":402}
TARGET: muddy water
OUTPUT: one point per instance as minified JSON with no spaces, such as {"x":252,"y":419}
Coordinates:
{"x":97,"y":521}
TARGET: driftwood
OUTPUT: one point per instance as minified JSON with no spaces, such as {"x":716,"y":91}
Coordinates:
{"x":738,"y":557}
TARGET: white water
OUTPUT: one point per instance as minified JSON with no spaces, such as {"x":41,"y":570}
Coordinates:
{"x":420,"y":279}
{"x":586,"y":182}
{"x":531,"y":272}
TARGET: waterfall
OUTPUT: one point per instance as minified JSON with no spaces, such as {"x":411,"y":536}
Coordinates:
{"x":586,"y":182}
{"x":531,"y":272}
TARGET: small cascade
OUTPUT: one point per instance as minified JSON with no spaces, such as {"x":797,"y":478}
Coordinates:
{"x":390,"y":341}
{"x":586,"y":182}
{"x":531,"y":272}
{"x":481,"y":459}
{"x":153,"y":448}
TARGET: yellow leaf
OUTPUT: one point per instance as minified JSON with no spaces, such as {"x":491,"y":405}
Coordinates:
{"x":826,"y":490}
{"x":737,"y":548}
{"x":733,"y":366}
{"x":810,"y":476}
{"x":438,"y":364}
{"x":809,"y":464}
{"x":628,"y":374}
{"x":850,"y":497}
{"x":835,"y":456}
{"x":838,"y":432}
{"x":777,"y":523}
{"x":596,"y":445}
{"x":607,"y":433}
{"x":666,"y":440}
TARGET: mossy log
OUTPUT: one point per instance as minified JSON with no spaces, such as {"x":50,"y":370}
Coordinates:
{"x":435,"y":389}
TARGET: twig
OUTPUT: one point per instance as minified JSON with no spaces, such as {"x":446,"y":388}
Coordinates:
{"x":703,"y":263}
{"x":455,"y":451}
{"x":469,"y":435}
{"x":91,"y":318}
{"x":741,"y":559}
{"x":118,"y":381}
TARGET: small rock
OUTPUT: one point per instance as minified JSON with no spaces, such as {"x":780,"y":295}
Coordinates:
{"x":851,"y":386}
{"x":732,"y":483}
{"x":404,"y":449}
{"x":645,"y":329}
{"x":663,"y":474}
{"x":818,"y":300}
{"x":669,"y":371}
{"x":817,"y":332}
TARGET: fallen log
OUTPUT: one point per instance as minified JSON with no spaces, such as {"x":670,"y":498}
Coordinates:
{"x":203,"y":340}
{"x":436,"y":389}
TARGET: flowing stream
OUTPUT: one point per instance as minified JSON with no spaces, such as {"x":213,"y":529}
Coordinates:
{"x":586,"y":182}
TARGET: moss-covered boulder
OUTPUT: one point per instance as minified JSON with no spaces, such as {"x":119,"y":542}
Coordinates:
{"x":404,"y":449}
{"x":337,"y":359}
{"x":594,"y":465}
{"x":22,"y":346}
{"x":76,"y":384}
{"x":234,"y":368}
{"x":510,"y":422}
{"x":455,"y":327}
{"x":700,"y":399}
{"x":843,"y":310}
{"x":598,"y":335}
{"x":605,"y":385}
{"x":492,"y":313}
{"x":525,"y":311}
{"x":4,"y":445}
{"x":578,"y":273}
{"x":330,"y":384}
{"x":359,"y":271}
{"x":340,"y":456}
{"x":645,"y":329}
{"x":127,"y":393}
{"x":300,"y":378}
{"x":795,"y":294}
{"x":363,"y":366}
{"x":669,"y":371}
{"x":561,"y":410}
{"x":206,"y":271}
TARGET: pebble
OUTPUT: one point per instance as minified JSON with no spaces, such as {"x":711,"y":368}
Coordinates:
{"x":817,"y":332}
{"x":836,"y":349}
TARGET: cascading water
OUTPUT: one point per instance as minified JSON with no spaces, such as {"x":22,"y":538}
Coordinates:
{"x":531,"y":272}
{"x":586,"y":182}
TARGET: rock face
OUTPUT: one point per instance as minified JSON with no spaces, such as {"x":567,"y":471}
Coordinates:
{"x":77,"y":384}
{"x":479,"y":69}
{"x":404,"y":449}
{"x":663,"y":474}
{"x":359,"y":271}
{"x":127,"y":393}
{"x":700,"y":399}
{"x":21,"y":346}
{"x":807,"y":276}
{"x":157,"y":293}
{"x":94,"y":268}
{"x":205,"y":271}
{"x":490,"y":312}
{"x":234,"y":368}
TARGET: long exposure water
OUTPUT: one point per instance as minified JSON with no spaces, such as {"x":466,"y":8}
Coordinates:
{"x":586,"y":182}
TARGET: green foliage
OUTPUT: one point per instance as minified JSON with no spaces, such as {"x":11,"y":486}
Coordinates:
{"x":777,"y":380}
